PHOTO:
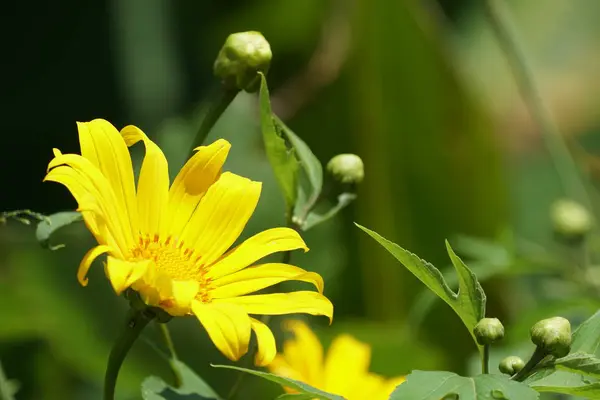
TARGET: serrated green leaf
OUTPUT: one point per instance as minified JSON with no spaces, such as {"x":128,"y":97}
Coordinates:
{"x":580,"y":362}
{"x":52,"y":223}
{"x":192,"y":386}
{"x":468,"y":302}
{"x":309,"y":163}
{"x":282,"y":160}
{"x":300,"y":387}
{"x":314,"y":219}
{"x":436,"y":385}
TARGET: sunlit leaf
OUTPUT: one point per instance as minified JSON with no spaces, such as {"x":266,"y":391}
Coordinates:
{"x":436,"y":385}
{"x":580,"y":362}
{"x":468,"y":302}
{"x":282,"y":159}
{"x":300,"y":387}
{"x":52,"y":223}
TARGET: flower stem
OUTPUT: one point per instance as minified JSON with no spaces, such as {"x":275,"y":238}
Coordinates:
{"x":571,"y":179}
{"x":485,"y":359}
{"x":136,"y":322}
{"x":222,"y":100}
{"x":537,"y":356}
{"x":169,"y":343}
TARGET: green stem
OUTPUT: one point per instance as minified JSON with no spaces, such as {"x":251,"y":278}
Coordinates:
{"x":537,"y":356}
{"x":164,"y":330}
{"x":136,"y":322}
{"x":569,"y":174}
{"x":222,"y":100}
{"x":5,"y":392}
{"x":485,"y":359}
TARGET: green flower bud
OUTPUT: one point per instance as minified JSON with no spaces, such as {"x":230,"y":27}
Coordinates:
{"x":241,"y":58}
{"x":511,"y":365}
{"x":346,"y":168}
{"x":488,"y":331}
{"x":570,"y":220}
{"x":553,"y":335}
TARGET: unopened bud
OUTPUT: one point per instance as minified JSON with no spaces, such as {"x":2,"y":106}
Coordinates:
{"x":511,"y":365}
{"x":346,"y":168}
{"x":488,"y":331}
{"x":570,"y":220}
{"x":553,"y":335}
{"x":241,"y":58}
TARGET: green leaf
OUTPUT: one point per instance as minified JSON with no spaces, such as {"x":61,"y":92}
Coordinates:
{"x":295,"y":396}
{"x":192,"y":386}
{"x":436,"y":385}
{"x":468,"y":302}
{"x":300,"y":387}
{"x":282,"y":160}
{"x":52,"y":223}
{"x":590,"y":391}
{"x":310,"y":164}
{"x":580,"y":362}
{"x":314,"y":219}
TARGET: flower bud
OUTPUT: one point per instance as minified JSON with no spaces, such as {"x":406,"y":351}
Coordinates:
{"x":553,"y":335}
{"x":511,"y":365}
{"x":346,"y":168}
{"x":570,"y":220}
{"x":243,"y":55}
{"x":488,"y":331}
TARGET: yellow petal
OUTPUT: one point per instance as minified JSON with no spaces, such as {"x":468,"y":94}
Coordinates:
{"x":104,"y":147}
{"x":221,"y":216}
{"x":347,"y":361}
{"x":390,"y":385}
{"x":227,"y":325}
{"x":266,"y":343}
{"x":279,"y":366}
{"x":153,"y":183}
{"x":194,"y":179}
{"x":259,"y":277}
{"x":253,"y":249}
{"x":305,"y":352}
{"x":183,"y":294}
{"x":284,"y":303}
{"x":123,"y":274}
{"x":87,"y":261}
{"x":93,"y":194}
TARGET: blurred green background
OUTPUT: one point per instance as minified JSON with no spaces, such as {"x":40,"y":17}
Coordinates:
{"x":418,"y":89}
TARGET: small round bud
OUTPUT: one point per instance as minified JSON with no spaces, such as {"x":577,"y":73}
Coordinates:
{"x":241,"y":58}
{"x":346,"y":168}
{"x":511,"y":365}
{"x":570,"y":220}
{"x":488,"y":331}
{"x":553,"y":335}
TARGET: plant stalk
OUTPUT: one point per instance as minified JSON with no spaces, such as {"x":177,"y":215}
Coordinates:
{"x":569,"y":174}
{"x":485,"y":359}
{"x":537,"y":356}
{"x":136,"y":322}
{"x":222,"y":100}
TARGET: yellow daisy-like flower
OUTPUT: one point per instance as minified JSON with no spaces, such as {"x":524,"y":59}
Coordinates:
{"x":172,"y":244}
{"x":344,"y":371}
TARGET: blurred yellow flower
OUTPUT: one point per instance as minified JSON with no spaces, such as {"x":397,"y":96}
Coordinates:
{"x":171,"y":244}
{"x":344,"y":371}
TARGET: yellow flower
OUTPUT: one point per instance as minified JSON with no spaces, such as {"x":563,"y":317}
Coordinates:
{"x":344,"y":371}
{"x":171,"y":244}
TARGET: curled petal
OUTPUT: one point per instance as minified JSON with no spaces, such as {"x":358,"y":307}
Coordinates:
{"x":123,"y":274}
{"x":87,"y":261}
{"x":227,"y":325}
{"x":266,"y":343}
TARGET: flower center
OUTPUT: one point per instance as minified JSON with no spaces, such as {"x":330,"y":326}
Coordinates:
{"x":171,"y":257}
